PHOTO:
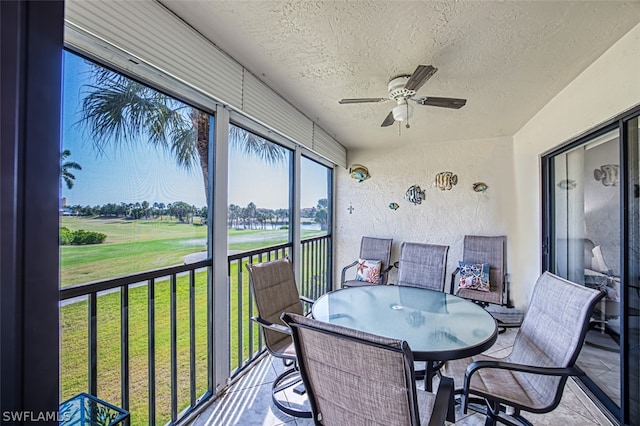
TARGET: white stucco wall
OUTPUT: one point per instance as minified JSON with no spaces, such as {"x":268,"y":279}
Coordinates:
{"x":606,"y":88}
{"x":510,"y":167}
{"x":445,"y":216}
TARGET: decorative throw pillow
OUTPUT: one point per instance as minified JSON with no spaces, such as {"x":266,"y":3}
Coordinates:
{"x":368,"y":270}
{"x":474,"y":276}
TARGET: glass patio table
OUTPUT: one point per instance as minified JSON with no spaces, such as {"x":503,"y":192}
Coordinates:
{"x":436,"y":325}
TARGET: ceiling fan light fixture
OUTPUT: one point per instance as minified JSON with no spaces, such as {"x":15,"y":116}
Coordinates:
{"x":403,"y":112}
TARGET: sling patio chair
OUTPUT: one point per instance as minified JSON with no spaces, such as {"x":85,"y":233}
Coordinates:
{"x":532,"y":377}
{"x":275,"y":292}
{"x":483,"y":277}
{"x":373,"y":264}
{"x":423,"y":265}
{"x":355,"y":378}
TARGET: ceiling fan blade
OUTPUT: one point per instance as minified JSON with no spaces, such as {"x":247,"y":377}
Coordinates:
{"x":362,"y":100}
{"x":388,"y":120}
{"x":420,"y":77}
{"x":441,"y":102}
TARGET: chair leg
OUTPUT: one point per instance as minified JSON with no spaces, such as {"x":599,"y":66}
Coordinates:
{"x":428,"y":377}
{"x":286,"y":380}
{"x":521,"y":419}
{"x":515,"y":419}
{"x":493,"y":410}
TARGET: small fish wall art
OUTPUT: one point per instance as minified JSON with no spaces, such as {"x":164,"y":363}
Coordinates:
{"x":480,"y":187}
{"x":359,"y":172}
{"x":415,"y":195}
{"x":567,"y":184}
{"x":607,"y":174}
{"x":394,"y":206}
{"x":445,"y":180}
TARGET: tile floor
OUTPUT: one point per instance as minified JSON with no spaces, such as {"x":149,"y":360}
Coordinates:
{"x":602,"y":366}
{"x":248,"y":401}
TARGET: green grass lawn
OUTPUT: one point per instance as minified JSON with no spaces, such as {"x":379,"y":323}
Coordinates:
{"x":140,"y":245}
{"x":74,"y":370}
{"x":135,"y":246}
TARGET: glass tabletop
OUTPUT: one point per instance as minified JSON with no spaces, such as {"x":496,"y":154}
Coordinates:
{"x":436,"y":325}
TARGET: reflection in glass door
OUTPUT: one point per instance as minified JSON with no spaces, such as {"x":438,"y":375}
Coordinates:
{"x":585,"y":241}
{"x":631,"y":329}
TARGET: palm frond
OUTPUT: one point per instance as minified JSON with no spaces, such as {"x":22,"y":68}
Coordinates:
{"x":257,"y":146}
{"x":71,"y":165}
{"x":183,"y":147}
{"x":68,"y":179}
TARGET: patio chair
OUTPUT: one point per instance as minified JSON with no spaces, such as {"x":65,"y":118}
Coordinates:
{"x":275,"y":291}
{"x":422,"y":265}
{"x":488,"y":252}
{"x":532,"y":377}
{"x":373,"y":265}
{"x":357,"y":378}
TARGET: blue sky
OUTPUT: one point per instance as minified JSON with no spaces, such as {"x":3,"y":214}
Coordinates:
{"x":138,"y":172}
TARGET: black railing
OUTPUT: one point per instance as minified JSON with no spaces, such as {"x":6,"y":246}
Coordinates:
{"x":315,"y":267}
{"x":167,"y":297}
{"x":166,"y":281}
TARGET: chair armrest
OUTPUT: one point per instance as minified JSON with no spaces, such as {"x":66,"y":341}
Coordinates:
{"x":383,"y":274}
{"x":344,"y":271}
{"x":271,"y":326}
{"x":386,"y":270}
{"x":443,"y":407}
{"x":307,"y":300}
{"x":547,"y":371}
{"x":453,"y":280}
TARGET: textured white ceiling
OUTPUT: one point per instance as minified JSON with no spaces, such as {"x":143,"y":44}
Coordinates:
{"x":508,"y":59}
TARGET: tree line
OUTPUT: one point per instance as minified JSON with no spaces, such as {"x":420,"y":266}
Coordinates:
{"x":253,"y":217}
{"x":249,"y":217}
{"x":180,"y":210}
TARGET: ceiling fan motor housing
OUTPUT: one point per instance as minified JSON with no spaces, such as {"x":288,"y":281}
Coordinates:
{"x":397,"y":90}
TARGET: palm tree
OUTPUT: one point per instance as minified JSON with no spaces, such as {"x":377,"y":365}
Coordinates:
{"x":66,"y":175}
{"x":234,"y":215}
{"x":117,"y":110}
{"x":322,"y":214}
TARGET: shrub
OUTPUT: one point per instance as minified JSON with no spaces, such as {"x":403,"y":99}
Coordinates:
{"x":81,"y":237}
{"x":66,"y":236}
{"x":284,"y":227}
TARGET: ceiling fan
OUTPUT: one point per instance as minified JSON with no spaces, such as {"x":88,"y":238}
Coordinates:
{"x":402,"y":89}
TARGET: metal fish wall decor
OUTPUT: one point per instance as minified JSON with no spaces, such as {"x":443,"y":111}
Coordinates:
{"x":607,"y":174}
{"x":480,"y":187}
{"x":394,"y":206}
{"x":359,"y":172}
{"x":445,"y":180}
{"x":414,"y":195}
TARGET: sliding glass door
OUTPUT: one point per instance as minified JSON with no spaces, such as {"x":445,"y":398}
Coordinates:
{"x":591,"y":207}
{"x":631,"y":292}
{"x":586,"y":243}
